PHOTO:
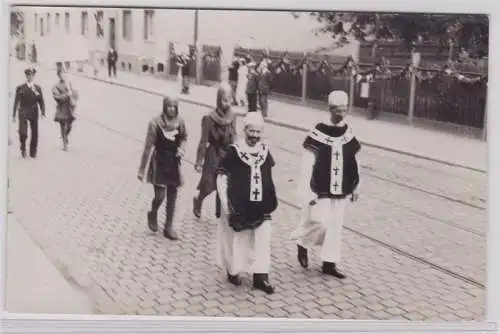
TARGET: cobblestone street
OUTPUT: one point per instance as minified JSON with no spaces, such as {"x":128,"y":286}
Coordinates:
{"x":414,"y":245}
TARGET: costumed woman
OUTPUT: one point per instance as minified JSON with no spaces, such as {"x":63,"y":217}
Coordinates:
{"x":218,"y":132}
{"x":163,"y":152}
{"x":66,"y":97}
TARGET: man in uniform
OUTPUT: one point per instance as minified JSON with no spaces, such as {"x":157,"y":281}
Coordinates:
{"x":28,"y":99}
{"x":329,"y":175}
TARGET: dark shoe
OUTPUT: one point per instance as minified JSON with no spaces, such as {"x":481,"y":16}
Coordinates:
{"x":153,"y":221}
{"x":261,"y":282}
{"x":169,"y":232}
{"x":331,"y":269}
{"x":234,"y":279}
{"x":33,"y":155}
{"x":302,"y":256}
{"x":196,"y":208}
{"x":23,"y":154}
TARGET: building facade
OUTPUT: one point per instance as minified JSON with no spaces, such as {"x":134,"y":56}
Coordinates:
{"x":144,"y":36}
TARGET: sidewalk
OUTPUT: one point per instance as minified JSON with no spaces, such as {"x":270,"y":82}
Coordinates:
{"x":34,"y":285}
{"x":450,"y":149}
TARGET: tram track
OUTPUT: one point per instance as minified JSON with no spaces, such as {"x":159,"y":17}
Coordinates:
{"x":392,"y":248}
{"x":438,"y":267}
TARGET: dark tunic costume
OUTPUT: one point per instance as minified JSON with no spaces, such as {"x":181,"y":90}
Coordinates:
{"x":217,"y":134}
{"x":64,"y":96}
{"x":335,"y":172}
{"x":250,"y":188}
{"x":164,"y":139}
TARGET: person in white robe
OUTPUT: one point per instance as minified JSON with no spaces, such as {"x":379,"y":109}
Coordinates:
{"x":329,"y":176}
{"x":241,"y":87}
{"x":248,"y":198}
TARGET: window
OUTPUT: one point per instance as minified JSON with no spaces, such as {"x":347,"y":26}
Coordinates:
{"x":99,"y":16}
{"x":127,"y":25}
{"x":66,"y":22}
{"x":48,"y":23}
{"x":85,"y":23}
{"x":41,"y":27}
{"x":36,"y":22}
{"x":148,"y":24}
{"x":58,"y":20}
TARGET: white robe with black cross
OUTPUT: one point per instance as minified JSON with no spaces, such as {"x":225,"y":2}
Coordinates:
{"x":320,"y":226}
{"x":249,"y":250}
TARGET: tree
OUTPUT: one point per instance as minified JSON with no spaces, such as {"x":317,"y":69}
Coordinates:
{"x":470,"y":32}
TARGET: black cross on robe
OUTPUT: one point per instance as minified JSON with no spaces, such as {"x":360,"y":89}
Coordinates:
{"x":256,"y":177}
{"x":335,"y":186}
{"x":256,"y":193}
{"x":336,"y":170}
{"x":336,"y":155}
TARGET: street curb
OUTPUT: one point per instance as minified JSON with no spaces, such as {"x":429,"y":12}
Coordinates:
{"x":287,"y":125}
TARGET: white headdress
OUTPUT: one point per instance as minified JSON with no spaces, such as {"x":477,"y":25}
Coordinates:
{"x":338,"y":98}
{"x":253,"y":119}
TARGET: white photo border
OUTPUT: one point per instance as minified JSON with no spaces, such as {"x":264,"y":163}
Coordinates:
{"x":31,"y":323}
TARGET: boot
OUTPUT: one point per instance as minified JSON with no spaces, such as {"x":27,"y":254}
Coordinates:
{"x":330,"y":268}
{"x":169,"y":232}
{"x":23,"y":154}
{"x":302,"y":256}
{"x":261,"y":282}
{"x":234,"y":279}
{"x":196,"y":207}
{"x":153,"y":221}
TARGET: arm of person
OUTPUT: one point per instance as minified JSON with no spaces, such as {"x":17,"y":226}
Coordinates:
{"x":148,"y":148}
{"x":304,"y":191}
{"x":17,"y":98}
{"x":182,"y":138}
{"x":59,"y":95}
{"x":221,"y":183}
{"x":41,"y":100}
{"x":203,"y":144}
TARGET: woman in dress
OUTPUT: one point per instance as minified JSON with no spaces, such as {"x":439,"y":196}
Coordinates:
{"x":218,"y":132}
{"x":164,"y":148}
{"x":66,"y":97}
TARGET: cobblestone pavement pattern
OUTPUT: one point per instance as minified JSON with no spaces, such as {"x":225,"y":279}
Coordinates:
{"x":87,"y":210}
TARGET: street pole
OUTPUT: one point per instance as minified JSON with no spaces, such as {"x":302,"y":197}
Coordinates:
{"x":198,"y":59}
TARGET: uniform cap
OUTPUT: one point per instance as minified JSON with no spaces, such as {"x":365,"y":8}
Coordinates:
{"x":30,"y":71}
{"x":338,"y":98}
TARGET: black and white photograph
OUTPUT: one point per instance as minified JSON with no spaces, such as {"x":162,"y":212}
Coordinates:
{"x":248,"y":163}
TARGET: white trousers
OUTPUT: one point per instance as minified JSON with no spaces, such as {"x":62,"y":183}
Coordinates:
{"x":246,"y":251}
{"x":321,"y":227}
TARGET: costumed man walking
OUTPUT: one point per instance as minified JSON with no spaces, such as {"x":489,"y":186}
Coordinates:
{"x":248,"y":198}
{"x":29,"y":100}
{"x":218,"y":132}
{"x":66,"y":97}
{"x":329,"y":175}
{"x":164,"y":149}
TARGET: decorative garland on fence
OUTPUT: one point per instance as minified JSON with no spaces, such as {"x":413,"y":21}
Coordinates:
{"x":182,"y":58}
{"x":378,"y":70}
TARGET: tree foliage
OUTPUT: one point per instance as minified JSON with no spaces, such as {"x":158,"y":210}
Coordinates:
{"x":470,"y":32}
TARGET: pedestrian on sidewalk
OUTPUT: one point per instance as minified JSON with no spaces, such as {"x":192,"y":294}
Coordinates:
{"x":185,"y":64}
{"x":29,"y":100}
{"x":233,"y":80}
{"x":112,"y":61}
{"x":66,"y":97}
{"x":164,"y":149}
{"x":241,"y":95}
{"x":248,"y":198}
{"x":218,"y":132}
{"x":329,"y":175}
{"x":264,"y":86}
{"x":252,"y":87}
